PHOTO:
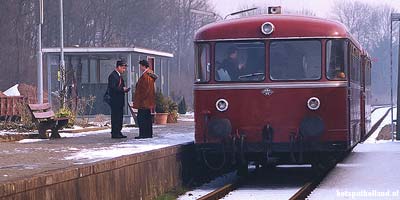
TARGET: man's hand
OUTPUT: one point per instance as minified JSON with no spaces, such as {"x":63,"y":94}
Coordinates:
{"x":126,"y":89}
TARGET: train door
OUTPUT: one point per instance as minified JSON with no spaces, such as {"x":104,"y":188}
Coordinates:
{"x":365,"y":96}
{"x":354,"y":95}
{"x":362,"y":95}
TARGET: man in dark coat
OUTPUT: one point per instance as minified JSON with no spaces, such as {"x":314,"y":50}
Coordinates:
{"x":117,"y":90}
{"x":231,"y":64}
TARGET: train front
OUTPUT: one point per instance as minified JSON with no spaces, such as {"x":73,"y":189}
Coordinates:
{"x":270,"y":89}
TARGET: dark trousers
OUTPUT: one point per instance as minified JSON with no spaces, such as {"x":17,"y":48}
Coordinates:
{"x":145,"y":123}
{"x":116,"y":120}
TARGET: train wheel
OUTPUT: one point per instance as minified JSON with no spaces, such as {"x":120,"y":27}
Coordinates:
{"x":323,"y":162}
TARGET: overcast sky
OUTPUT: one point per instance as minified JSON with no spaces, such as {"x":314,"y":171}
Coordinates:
{"x":321,"y":7}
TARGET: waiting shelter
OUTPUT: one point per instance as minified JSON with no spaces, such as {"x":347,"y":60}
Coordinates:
{"x":87,"y":70}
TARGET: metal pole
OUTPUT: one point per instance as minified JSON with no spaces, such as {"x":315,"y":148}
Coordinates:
{"x":168,"y":77}
{"x":398,"y":93}
{"x":62,"y":62}
{"x":39,"y":56}
{"x":391,"y":80}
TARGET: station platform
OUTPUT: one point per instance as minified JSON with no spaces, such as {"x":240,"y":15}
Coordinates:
{"x":371,"y":171}
{"x":91,"y":165}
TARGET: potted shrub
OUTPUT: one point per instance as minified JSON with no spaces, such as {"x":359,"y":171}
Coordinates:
{"x":172,"y":111}
{"x":182,"y":106}
{"x":161,"y":109}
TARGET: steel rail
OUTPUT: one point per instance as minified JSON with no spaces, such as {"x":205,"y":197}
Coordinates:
{"x":220,"y":192}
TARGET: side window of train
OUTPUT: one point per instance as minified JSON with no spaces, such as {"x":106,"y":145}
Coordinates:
{"x":202,"y":68}
{"x":240,"y":61}
{"x":295,"y":59}
{"x":355,"y":65}
{"x":336,"y":58}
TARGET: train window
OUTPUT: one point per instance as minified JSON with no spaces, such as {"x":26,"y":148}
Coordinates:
{"x":202,"y":57}
{"x":336,"y":57}
{"x":295,"y":60}
{"x":240,"y":61}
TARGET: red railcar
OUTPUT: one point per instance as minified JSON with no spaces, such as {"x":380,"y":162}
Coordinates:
{"x":279,"y":88}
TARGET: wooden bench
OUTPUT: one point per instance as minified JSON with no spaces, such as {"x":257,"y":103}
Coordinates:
{"x":45,"y":119}
{"x":134,"y":112}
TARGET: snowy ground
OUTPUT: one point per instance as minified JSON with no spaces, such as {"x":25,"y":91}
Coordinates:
{"x":369,"y":172}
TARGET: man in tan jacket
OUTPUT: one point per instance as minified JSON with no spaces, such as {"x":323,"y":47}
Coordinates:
{"x":144,"y":100}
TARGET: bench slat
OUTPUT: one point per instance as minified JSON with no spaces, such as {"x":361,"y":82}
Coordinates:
{"x":44,"y":115}
{"x":36,"y":107}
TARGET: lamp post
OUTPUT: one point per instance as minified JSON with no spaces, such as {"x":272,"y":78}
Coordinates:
{"x":62,"y":62}
{"x":39,"y":56}
{"x":394,"y":17}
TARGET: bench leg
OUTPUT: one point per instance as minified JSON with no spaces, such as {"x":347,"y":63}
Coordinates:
{"x":54,"y":133}
{"x":42,"y":133}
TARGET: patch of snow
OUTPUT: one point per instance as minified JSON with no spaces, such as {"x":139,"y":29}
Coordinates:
{"x":12,"y":91}
{"x":32,"y":140}
{"x":130,"y":146}
{"x":2,"y":133}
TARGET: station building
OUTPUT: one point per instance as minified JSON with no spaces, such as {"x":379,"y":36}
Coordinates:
{"x":87,"y":70}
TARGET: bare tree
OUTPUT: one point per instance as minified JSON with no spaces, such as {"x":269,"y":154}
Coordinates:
{"x":369,"y":24}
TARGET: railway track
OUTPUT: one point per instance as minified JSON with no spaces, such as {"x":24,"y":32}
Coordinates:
{"x":301,"y":193}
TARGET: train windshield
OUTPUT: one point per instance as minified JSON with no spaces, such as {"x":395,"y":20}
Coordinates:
{"x":295,"y":60}
{"x":240,"y":61}
{"x":202,"y":64}
{"x":335,"y":59}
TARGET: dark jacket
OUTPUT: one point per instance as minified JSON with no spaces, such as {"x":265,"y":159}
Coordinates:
{"x":116,"y":86}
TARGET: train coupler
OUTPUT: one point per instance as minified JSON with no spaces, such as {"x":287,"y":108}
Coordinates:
{"x":268,"y":133}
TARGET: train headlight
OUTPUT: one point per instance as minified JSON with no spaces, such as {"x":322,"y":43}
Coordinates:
{"x":267,"y":28}
{"x":313,"y":103}
{"x":222,"y":105}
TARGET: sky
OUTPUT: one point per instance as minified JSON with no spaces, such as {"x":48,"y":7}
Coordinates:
{"x":322,"y":8}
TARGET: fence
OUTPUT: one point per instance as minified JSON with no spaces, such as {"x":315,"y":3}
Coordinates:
{"x":10,"y":107}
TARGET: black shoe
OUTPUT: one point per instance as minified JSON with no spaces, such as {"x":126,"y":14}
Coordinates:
{"x":142,"y":137}
{"x":118,"y":136}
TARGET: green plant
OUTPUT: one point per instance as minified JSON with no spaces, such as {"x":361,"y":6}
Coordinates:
{"x":172,"y":105}
{"x":161,"y":103}
{"x":66,"y":112}
{"x":182,"y":108}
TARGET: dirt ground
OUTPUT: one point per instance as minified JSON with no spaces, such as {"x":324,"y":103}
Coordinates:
{"x":19,"y":160}
{"x":385,"y":133}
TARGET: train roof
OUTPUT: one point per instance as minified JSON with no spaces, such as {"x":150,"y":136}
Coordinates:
{"x":286,"y":26}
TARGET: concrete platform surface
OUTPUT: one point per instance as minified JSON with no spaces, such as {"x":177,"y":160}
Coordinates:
{"x":29,"y":157}
{"x":371,"y":171}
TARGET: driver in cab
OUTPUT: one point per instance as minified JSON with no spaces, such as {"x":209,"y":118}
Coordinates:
{"x":230,"y":67}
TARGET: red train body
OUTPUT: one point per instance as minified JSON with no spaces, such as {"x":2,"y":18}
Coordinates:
{"x":279,"y":87}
